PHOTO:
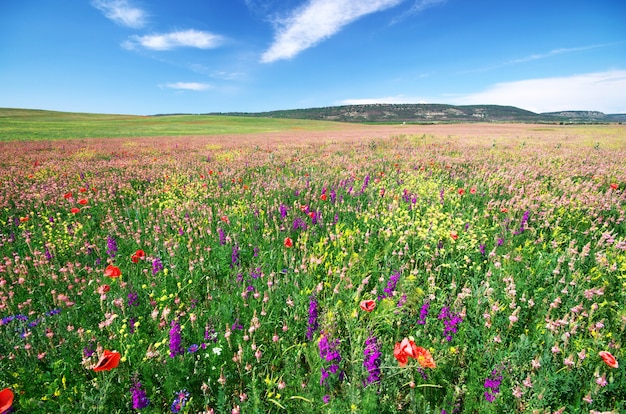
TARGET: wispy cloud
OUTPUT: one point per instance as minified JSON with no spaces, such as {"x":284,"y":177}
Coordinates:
{"x":189,"y":86}
{"x":551,"y":53}
{"x":121,"y":12}
{"x":417,"y":7}
{"x":538,"y":56}
{"x":172,"y":40}
{"x":600,"y":91}
{"x":315,"y":21}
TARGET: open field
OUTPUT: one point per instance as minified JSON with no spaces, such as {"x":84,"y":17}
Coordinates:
{"x":340,"y":268}
{"x":29,"y":125}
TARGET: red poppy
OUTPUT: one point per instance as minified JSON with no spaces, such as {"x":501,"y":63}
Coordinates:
{"x":6,"y":400}
{"x":288,"y":242}
{"x":67,"y":195}
{"x":405,"y":350}
{"x":83,"y":201}
{"x":504,"y":210}
{"x":461,"y":191}
{"x":367,"y":305}
{"x":112,"y":271}
{"x":323,"y":197}
{"x":614,"y":186}
{"x":312,"y":214}
{"x":23,"y":219}
{"x":83,"y":190}
{"x":139,"y":255}
{"x":609,"y":359}
{"x":75,"y":210}
{"x":473,"y":190}
{"x":454,"y":235}
{"x":424,"y":358}
{"x":108,"y":361}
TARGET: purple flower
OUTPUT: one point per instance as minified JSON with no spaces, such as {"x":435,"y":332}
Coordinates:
{"x":371,"y":361}
{"x":157,"y":265}
{"x":523,"y":222}
{"x":234,"y":257}
{"x":133,"y":299}
{"x":366,"y":182}
{"x":423,"y":313}
{"x":180,"y":400}
{"x":175,"y":346}
{"x":283,"y":211}
{"x":140,"y":400}
{"x":222,"y":236}
{"x":450,"y":322}
{"x":193,"y":348}
{"x":313,"y":323}
{"x":298,"y":224}
{"x":111,"y":246}
{"x":391,"y":285}
{"x":492,"y":385}
{"x":329,"y":352}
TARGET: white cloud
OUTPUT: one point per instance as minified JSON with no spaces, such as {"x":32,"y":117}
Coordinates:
{"x":598,"y":91}
{"x":167,"y":41}
{"x":417,"y":7}
{"x":189,"y":86}
{"x":318,"y":20}
{"x":121,"y":12}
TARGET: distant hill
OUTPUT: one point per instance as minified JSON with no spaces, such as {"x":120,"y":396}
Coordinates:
{"x":434,"y":113}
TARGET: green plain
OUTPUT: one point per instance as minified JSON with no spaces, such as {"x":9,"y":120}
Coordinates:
{"x":38,"y":125}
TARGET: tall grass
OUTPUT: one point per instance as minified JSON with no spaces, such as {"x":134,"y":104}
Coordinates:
{"x":284,"y":278}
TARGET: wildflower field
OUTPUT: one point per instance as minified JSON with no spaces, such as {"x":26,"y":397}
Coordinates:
{"x":413,"y":269}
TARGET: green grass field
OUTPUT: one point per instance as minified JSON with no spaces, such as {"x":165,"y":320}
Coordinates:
{"x":27,"y":125}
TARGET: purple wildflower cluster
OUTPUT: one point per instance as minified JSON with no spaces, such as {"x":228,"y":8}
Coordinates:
{"x":450,"y":322}
{"x":371,"y":361}
{"x":523,"y":223}
{"x":234,"y":257}
{"x":423,"y":313}
{"x":329,"y":352}
{"x":140,"y":400}
{"x":391,"y":285}
{"x":492,"y":385}
{"x":313,"y":323}
{"x":222,"y":236}
{"x":157,"y":266}
{"x":133,"y":299}
{"x":180,"y":400}
{"x":111,"y":246}
{"x":175,"y":346}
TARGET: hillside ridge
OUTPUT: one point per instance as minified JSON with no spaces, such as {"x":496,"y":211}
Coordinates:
{"x":433,"y":113}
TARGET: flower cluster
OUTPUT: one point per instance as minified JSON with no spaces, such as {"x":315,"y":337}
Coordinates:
{"x":391,"y":285}
{"x":329,"y":352}
{"x":180,"y":400}
{"x":372,"y":360}
{"x":175,"y":346}
{"x":450,"y":320}
{"x":492,"y":385}
{"x":313,"y":323}
{"x":408,"y":349}
{"x":140,"y":400}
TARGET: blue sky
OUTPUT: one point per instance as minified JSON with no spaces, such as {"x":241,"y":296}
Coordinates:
{"x":196,"y":56}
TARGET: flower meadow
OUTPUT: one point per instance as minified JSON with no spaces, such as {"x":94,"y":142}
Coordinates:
{"x":411,"y":273}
